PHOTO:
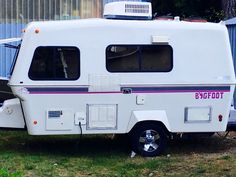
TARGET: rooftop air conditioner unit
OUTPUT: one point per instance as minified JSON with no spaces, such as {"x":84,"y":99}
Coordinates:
{"x":128,"y":10}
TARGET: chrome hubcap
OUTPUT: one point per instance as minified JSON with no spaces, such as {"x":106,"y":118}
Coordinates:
{"x":149,"y":140}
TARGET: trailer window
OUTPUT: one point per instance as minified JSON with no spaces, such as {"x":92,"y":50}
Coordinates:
{"x":55,"y":63}
{"x":139,"y":58}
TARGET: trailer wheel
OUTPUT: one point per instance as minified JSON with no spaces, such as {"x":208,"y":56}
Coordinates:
{"x":148,"y":140}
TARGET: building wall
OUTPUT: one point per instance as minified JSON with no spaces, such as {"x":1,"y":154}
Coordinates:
{"x":15,"y":14}
{"x":232,"y":38}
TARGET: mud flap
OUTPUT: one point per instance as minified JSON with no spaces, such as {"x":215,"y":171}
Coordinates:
{"x":11,"y":115}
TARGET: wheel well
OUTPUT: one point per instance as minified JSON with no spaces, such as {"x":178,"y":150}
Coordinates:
{"x":158,"y":123}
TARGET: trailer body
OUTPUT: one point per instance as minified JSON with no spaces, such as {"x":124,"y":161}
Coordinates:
{"x":109,"y":76}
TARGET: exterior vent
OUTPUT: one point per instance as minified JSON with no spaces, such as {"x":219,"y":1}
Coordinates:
{"x":128,"y":10}
{"x":134,"y":8}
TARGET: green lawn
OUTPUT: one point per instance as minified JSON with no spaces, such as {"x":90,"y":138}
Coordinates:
{"x":24,"y":155}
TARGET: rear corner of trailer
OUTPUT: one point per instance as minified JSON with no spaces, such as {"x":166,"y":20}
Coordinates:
{"x":226,"y":73}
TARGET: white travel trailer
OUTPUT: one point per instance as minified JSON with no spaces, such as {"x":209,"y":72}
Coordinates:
{"x":148,"y":78}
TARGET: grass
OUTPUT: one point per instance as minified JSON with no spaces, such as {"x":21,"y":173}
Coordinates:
{"x":53,"y":156}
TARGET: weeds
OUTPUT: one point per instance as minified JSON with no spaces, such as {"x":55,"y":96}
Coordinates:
{"x":22,"y":155}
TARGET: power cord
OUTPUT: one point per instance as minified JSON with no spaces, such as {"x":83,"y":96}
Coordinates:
{"x":80,"y":130}
{"x":80,"y":138}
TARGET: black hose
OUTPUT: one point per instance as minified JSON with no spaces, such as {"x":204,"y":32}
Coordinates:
{"x":80,"y":130}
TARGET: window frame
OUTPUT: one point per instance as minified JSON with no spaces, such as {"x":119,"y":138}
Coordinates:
{"x":139,"y":58}
{"x":56,"y":79}
{"x":15,"y":59}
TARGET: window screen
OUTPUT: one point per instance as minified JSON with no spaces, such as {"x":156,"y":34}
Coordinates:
{"x":139,"y":58}
{"x":55,"y":63}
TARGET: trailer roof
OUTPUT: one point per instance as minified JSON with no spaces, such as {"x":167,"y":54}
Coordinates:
{"x":74,"y":24}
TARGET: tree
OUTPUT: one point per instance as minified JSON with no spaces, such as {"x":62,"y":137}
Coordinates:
{"x":210,"y":10}
{"x":229,"y":8}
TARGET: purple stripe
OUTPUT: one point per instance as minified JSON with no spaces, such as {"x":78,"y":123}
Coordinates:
{"x":85,"y":90}
{"x":164,"y":91}
{"x":73,"y":92}
{"x":179,"y":91}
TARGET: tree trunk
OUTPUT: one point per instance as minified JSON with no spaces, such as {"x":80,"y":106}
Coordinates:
{"x":228,"y":7}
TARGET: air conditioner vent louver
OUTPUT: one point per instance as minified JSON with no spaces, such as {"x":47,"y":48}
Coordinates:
{"x":134,"y":8}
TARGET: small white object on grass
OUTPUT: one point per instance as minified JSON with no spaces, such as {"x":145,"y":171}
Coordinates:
{"x":133,"y":154}
{"x":151,"y":174}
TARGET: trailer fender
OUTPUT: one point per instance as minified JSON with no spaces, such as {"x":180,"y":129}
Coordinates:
{"x":148,"y":115}
{"x":11,"y":115}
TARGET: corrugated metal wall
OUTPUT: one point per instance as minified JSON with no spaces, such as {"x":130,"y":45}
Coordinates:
{"x":232,"y":38}
{"x":15,"y":14}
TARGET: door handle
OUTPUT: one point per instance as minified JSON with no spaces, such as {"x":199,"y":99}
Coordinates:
{"x":126,"y":90}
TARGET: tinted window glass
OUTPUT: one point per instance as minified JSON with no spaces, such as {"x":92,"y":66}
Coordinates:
{"x":156,"y":58}
{"x":122,"y":58}
{"x":139,"y":58}
{"x":55,"y":63}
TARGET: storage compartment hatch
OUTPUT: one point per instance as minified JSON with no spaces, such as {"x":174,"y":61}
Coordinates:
{"x":59,"y":119}
{"x":102,"y":116}
{"x":197,"y":114}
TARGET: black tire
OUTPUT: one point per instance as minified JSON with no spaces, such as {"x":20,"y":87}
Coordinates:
{"x":148,"y":139}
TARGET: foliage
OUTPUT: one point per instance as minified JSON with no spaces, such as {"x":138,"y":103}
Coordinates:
{"x":210,"y":10}
{"x":5,"y":173}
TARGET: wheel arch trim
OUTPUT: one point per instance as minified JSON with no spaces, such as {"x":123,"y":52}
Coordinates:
{"x":148,"y":115}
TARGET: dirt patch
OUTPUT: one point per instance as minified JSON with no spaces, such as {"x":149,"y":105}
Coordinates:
{"x":232,"y":134}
